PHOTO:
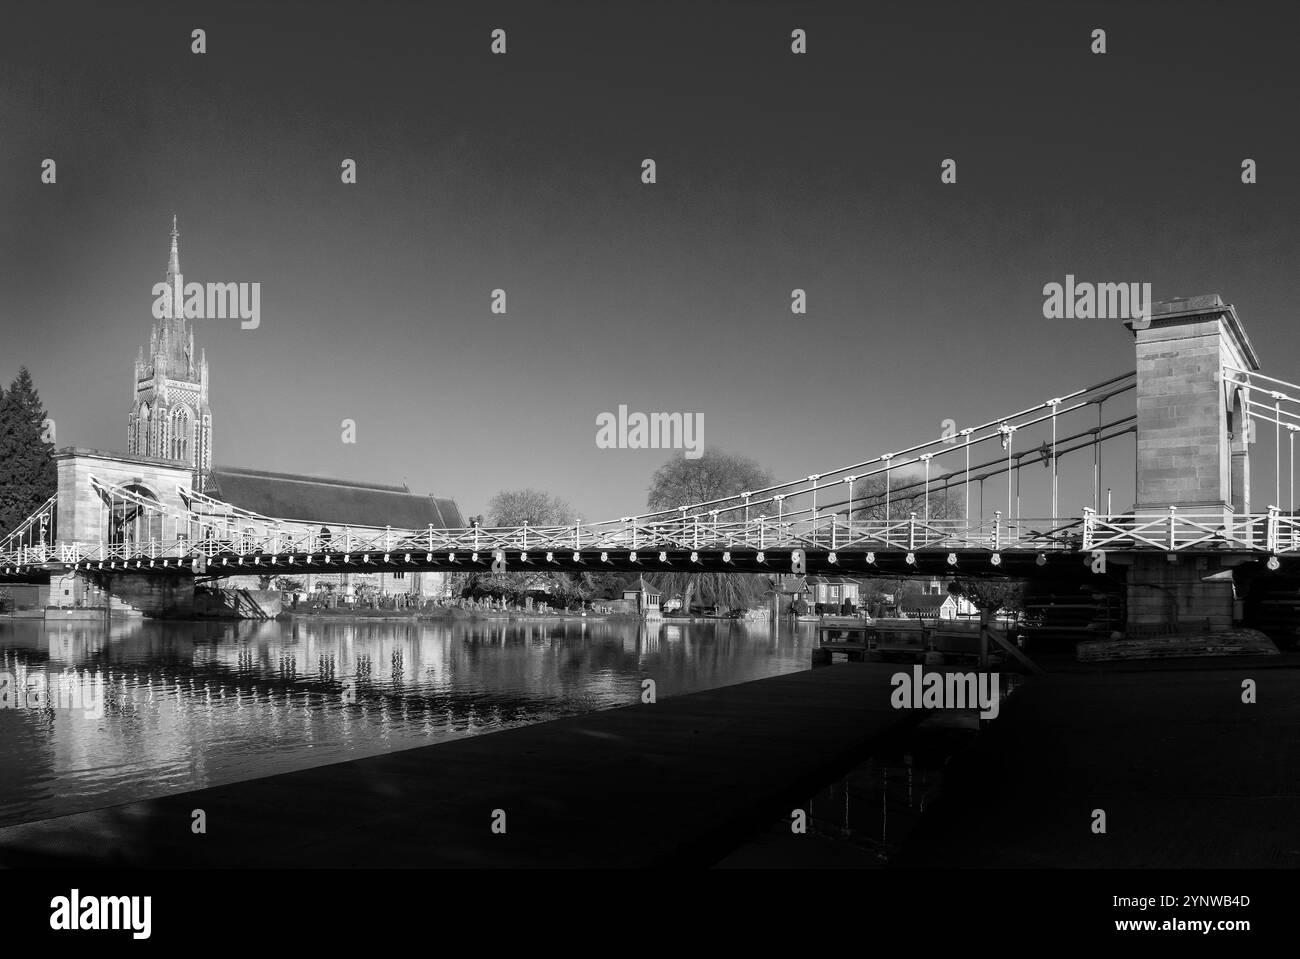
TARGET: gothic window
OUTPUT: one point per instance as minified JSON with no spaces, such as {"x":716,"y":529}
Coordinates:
{"x":182,"y":431}
{"x":141,"y":437}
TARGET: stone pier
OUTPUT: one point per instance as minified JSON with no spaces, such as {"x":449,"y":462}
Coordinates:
{"x":1192,"y":453}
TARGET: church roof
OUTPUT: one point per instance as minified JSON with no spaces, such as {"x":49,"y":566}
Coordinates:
{"x":330,"y":502}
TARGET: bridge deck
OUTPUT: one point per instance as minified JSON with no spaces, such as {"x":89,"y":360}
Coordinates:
{"x":680,"y":781}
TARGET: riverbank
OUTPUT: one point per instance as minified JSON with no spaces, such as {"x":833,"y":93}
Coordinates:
{"x":451,"y":614}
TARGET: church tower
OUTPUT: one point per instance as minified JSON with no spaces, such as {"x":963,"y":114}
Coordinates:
{"x":170,"y":417}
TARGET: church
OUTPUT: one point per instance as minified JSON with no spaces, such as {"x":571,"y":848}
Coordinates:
{"x":170,"y":424}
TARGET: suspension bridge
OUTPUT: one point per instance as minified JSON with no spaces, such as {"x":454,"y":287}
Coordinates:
{"x":1187,"y":417}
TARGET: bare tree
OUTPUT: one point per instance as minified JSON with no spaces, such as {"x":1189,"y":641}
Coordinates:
{"x":716,"y":474}
{"x":905,"y":495}
{"x":516,"y":507}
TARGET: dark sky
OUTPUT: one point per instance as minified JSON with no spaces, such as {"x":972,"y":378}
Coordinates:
{"x":522,"y":172}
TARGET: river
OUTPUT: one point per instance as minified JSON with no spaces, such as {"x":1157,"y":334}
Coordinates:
{"x":101,"y":715}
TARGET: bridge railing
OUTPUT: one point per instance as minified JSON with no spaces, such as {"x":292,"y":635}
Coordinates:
{"x":37,"y":530}
{"x":1167,"y":530}
{"x":1172,"y":529}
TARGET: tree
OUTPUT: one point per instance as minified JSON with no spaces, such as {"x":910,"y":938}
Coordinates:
{"x":511,"y":508}
{"x":685,"y":482}
{"x":517,"y":507}
{"x":872,"y":501}
{"x":27,"y":473}
{"x":713,"y":475}
{"x":606,"y":585}
{"x":989,"y":596}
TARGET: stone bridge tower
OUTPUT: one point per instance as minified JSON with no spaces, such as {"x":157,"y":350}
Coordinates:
{"x":1193,"y":453}
{"x":1192,"y":449}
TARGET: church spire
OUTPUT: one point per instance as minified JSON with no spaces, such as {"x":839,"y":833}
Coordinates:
{"x":174,"y":260}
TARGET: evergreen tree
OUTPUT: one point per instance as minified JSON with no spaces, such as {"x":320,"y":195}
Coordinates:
{"x":27,"y":472}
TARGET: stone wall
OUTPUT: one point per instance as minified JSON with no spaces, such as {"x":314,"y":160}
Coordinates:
{"x":158,"y":597}
{"x":236,"y":603}
{"x":1164,"y":594}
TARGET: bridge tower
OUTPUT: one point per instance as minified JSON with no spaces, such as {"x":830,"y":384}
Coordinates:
{"x":1193,"y":453}
{"x":1191,"y":436}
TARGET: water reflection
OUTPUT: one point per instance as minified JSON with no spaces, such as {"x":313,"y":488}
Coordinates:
{"x":186,"y":705}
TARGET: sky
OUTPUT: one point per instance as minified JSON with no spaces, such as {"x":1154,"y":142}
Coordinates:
{"x":522,"y":172}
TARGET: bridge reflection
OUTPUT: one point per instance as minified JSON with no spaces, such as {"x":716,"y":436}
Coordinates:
{"x":193,"y":704}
